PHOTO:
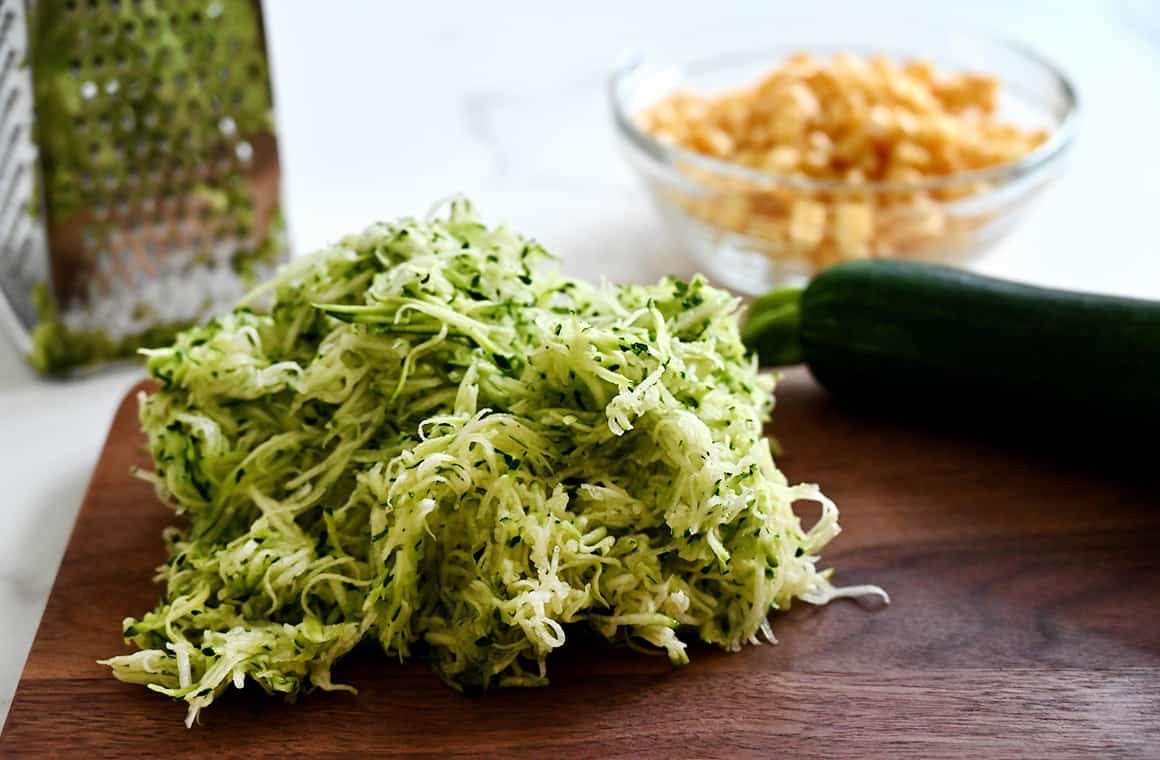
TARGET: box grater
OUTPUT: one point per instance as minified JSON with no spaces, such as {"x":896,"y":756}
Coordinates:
{"x":139,"y":176}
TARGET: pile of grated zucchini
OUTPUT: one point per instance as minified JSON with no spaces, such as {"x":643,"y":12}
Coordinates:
{"x":432,"y":441}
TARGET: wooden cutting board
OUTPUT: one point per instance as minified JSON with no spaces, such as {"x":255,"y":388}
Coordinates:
{"x":1025,"y":622}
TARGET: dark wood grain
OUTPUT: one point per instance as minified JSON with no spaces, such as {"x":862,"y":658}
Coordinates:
{"x":1025,"y":622}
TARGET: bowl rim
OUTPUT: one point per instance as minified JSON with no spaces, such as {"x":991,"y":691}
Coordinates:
{"x":669,"y":156}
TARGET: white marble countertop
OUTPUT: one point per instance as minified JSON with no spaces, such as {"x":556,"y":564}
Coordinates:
{"x":384,"y":109}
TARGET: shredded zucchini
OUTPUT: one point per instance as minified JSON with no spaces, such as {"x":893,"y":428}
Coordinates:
{"x":435,"y":441}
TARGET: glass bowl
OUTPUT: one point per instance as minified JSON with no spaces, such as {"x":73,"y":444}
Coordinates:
{"x":734,"y":221}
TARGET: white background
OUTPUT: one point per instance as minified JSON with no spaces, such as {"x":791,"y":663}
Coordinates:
{"x":385,"y":107}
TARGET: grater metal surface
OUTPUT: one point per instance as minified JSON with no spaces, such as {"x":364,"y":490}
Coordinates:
{"x":23,"y":245}
{"x":139,"y":176}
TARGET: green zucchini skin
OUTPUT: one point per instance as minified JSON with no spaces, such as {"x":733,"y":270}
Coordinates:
{"x":919,"y":332}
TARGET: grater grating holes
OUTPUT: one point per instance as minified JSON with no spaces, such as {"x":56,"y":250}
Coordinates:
{"x":131,"y":203}
{"x":11,"y":146}
{"x":9,"y":63}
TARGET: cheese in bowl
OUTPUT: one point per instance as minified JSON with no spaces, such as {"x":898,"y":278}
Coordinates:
{"x":821,"y":158}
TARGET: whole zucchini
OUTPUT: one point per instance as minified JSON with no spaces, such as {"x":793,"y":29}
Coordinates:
{"x":919,"y":332}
